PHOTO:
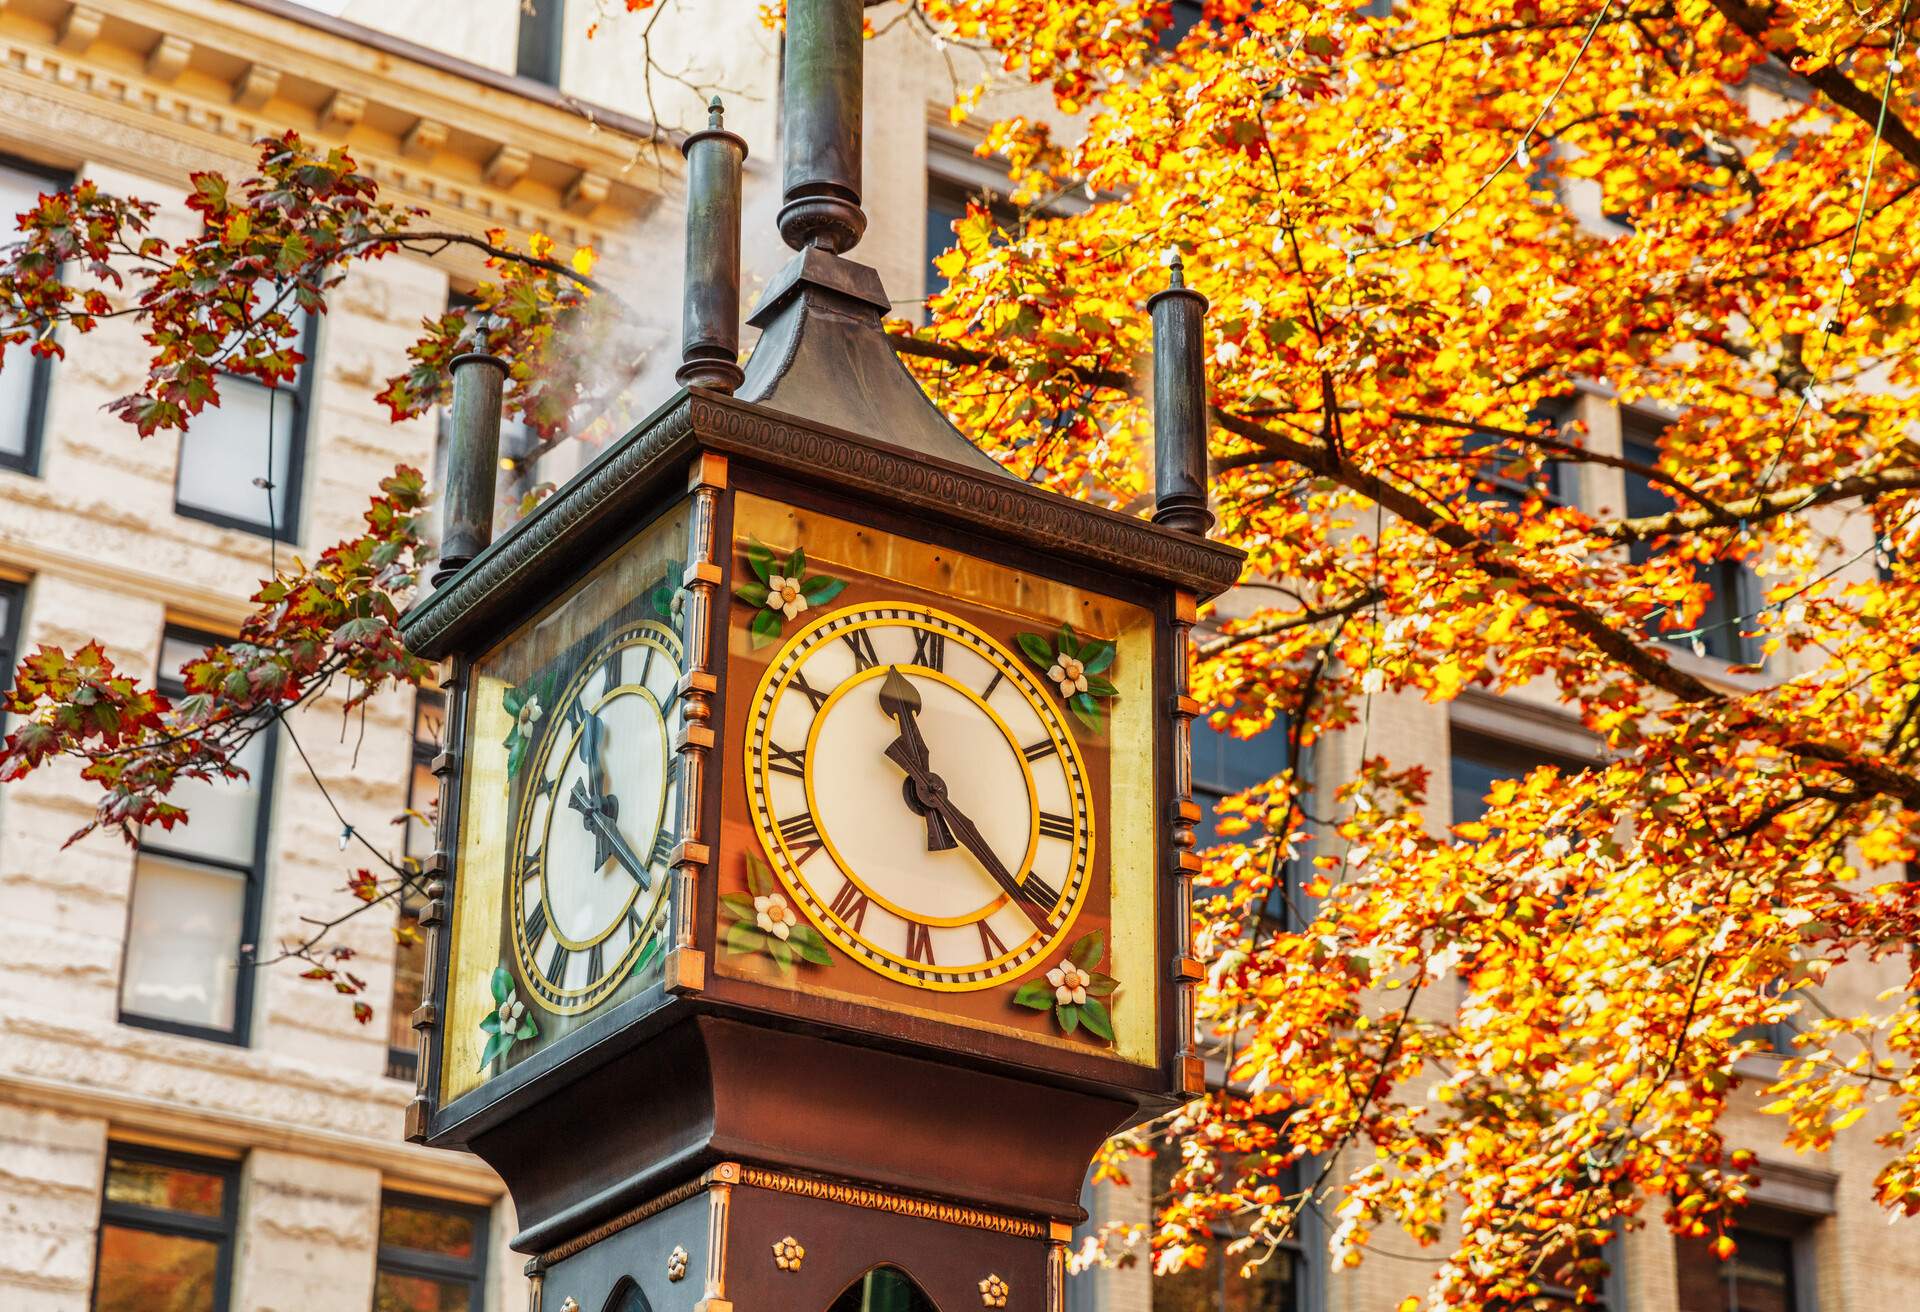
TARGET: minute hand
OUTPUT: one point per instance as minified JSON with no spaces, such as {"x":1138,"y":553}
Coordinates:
{"x":1033,"y":897}
{"x":610,"y":833}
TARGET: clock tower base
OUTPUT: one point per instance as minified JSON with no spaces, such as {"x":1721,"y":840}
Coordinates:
{"x":756,"y":1238}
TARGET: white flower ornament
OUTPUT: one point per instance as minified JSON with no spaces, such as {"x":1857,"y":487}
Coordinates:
{"x":511,"y":1010}
{"x":530,"y":713}
{"x":1069,"y":674}
{"x":1069,"y":983}
{"x":784,"y":595}
{"x":772,"y":914}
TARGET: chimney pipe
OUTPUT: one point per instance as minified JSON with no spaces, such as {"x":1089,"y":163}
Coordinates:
{"x":1179,"y":406}
{"x":473,"y":461}
{"x":820,"y":106}
{"x":710,"y":315}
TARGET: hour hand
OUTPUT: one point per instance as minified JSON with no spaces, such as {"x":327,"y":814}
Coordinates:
{"x":920,"y":780}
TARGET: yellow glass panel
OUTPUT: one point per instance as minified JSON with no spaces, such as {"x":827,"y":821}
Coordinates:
{"x":635,"y":590}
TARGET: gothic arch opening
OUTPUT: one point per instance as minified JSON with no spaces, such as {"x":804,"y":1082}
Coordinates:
{"x":626,"y":1297}
{"x":883,"y":1289}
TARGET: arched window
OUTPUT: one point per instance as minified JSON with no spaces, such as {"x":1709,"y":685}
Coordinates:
{"x":626,"y":1297}
{"x":883,"y":1289}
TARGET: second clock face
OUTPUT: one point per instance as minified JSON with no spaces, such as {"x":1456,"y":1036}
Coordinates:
{"x":591,"y":873}
{"x":921,"y":796}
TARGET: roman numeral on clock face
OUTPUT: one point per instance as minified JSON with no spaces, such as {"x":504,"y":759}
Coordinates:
{"x":537,"y":922}
{"x":557,"y":964}
{"x":807,"y":690}
{"x":920,"y":943}
{"x":802,"y":836}
{"x":1041,"y":750}
{"x":850,"y":905}
{"x":662,"y":849}
{"x":929,"y":649}
{"x":864,"y":656}
{"x":595,"y":962}
{"x":1056,"y":826}
{"x":990,"y":944}
{"x":786,"y":761}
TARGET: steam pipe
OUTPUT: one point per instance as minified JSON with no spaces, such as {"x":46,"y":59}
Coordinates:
{"x":710,"y":314}
{"x":820,"y":107}
{"x":473,"y":461}
{"x":1180,"y":406}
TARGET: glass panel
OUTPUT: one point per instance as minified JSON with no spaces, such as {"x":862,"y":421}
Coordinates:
{"x":19,"y":191}
{"x":222,"y":814}
{"x":143,"y":1272}
{"x":1761,"y":1273}
{"x":409,"y":979}
{"x":1719,"y":636}
{"x":177,"y":651}
{"x":1473,"y":779}
{"x":9,"y":632}
{"x":224,"y":451}
{"x":168,"y":1188}
{"x":428,"y":1230}
{"x":397,"y":1293}
{"x":883,"y":1289}
{"x":183,"y":943}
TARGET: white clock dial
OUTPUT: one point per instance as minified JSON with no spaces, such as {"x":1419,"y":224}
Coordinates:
{"x":920,"y":795}
{"x":594,"y":841}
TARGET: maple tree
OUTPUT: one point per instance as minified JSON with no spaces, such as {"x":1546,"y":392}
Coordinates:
{"x":1419,"y":225}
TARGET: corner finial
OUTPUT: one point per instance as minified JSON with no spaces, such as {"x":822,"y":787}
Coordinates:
{"x":1180,"y":416}
{"x":820,"y":114}
{"x":710,"y":314}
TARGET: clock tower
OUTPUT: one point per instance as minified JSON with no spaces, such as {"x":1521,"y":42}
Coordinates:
{"x":811,"y":897}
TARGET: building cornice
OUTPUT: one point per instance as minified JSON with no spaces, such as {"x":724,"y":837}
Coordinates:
{"x":479,"y":148}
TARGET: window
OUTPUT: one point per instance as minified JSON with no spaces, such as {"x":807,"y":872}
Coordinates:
{"x":542,"y":34}
{"x":166,"y":1233}
{"x":1764,"y":1274}
{"x":1280,"y":1284}
{"x":13,"y":602}
{"x":410,"y":954}
{"x":24,"y":378}
{"x":1501,"y":476}
{"x":433,"y":1256}
{"x":946,"y":205}
{"x":195,"y":909}
{"x":1719,"y":625}
{"x":240,"y":464}
{"x":1224,"y":765}
{"x":1477,"y":762}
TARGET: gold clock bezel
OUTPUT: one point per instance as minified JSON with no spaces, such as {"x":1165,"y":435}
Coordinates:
{"x":773,"y":685}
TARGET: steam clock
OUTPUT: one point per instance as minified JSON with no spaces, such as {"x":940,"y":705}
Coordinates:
{"x":811,"y":898}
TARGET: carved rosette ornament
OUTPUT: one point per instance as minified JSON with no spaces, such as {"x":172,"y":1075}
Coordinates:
{"x":677,"y":1264}
{"x":787,"y":1253}
{"x":993,"y":1292}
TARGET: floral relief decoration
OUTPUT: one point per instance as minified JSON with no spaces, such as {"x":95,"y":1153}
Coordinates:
{"x":764,"y":921}
{"x":667,"y":599}
{"x":993,"y":1292}
{"x":1073,"y":989}
{"x":782,"y":589}
{"x":787,"y":1253}
{"x":1075,"y":666}
{"x":509,"y":1021}
{"x":526,"y":703}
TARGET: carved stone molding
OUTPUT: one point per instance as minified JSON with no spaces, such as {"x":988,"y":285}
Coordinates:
{"x":256,"y":86}
{"x":342,"y":110}
{"x":507,"y":166}
{"x":168,"y":58}
{"x":80,"y":28}
{"x":424,"y":138}
{"x":880,"y":1200}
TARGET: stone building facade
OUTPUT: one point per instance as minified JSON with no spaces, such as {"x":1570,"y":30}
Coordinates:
{"x":229,"y":1138}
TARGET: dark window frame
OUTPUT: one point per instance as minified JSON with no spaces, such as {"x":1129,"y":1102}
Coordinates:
{"x":1500,"y":753}
{"x":1732,"y":581}
{"x":539,"y":45}
{"x":1305,"y":1248}
{"x":254,"y":872}
{"x":28,"y":461}
{"x":438,"y":1266}
{"x":945,"y":186}
{"x":300,"y":396}
{"x":1799,"y":1231}
{"x":223,"y":1230}
{"x":12,"y":624}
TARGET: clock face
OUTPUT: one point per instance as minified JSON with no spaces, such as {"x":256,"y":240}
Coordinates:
{"x":569,"y":811}
{"x":590,"y":853}
{"x":921,"y":796}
